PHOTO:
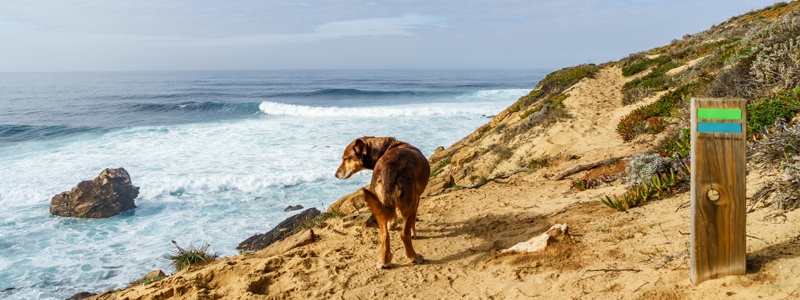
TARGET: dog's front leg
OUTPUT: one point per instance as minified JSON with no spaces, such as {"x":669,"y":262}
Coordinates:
{"x":385,"y":259}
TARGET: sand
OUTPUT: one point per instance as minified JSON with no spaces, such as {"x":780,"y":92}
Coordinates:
{"x":638,"y":254}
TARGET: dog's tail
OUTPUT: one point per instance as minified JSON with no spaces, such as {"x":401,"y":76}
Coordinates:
{"x":380,"y":211}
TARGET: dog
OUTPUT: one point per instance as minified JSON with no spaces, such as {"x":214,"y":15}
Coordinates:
{"x":400,"y":174}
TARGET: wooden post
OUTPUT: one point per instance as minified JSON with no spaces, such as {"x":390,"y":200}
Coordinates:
{"x":719,"y":141}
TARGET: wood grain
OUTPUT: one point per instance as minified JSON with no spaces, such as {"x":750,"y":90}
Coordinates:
{"x":718,"y":227}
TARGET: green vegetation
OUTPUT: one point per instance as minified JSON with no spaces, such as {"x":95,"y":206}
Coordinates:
{"x":660,"y":185}
{"x":555,"y":83}
{"x":584,"y":184}
{"x":537,"y":162}
{"x":649,"y":118}
{"x":440,"y":166}
{"x":145,"y":281}
{"x":678,"y":142}
{"x":763,"y":112}
{"x":503,"y":152}
{"x":191,"y":256}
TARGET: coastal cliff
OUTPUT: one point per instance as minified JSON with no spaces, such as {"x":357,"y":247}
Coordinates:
{"x":511,"y":183}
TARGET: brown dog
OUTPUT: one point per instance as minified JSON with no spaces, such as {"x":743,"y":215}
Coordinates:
{"x":399,"y":177}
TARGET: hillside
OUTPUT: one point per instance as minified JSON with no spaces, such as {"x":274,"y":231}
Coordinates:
{"x":507,"y":189}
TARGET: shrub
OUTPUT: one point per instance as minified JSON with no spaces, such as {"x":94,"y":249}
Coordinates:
{"x":440,"y":166}
{"x":778,"y":66}
{"x":191,"y":256}
{"x":503,"y":152}
{"x":679,"y":142}
{"x":736,"y":82}
{"x":145,"y":281}
{"x":641,"y":120}
{"x":657,"y":185}
{"x":536,"y":162}
{"x":642,"y":167}
{"x":555,"y":83}
{"x":763,"y":112}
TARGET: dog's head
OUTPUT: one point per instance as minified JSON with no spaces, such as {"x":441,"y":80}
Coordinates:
{"x":354,"y":159}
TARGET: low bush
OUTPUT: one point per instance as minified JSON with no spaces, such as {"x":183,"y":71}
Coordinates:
{"x":440,"y":166}
{"x":555,"y":83}
{"x":658,"y":185}
{"x":536,"y":162}
{"x":647,"y":118}
{"x":191,"y":256}
{"x":764,"y":111}
{"x":678,"y":142}
{"x":503,"y":152}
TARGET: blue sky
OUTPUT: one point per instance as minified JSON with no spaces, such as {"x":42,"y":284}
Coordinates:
{"x":95,"y":35}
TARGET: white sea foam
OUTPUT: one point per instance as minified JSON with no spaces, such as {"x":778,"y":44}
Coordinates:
{"x":473,"y":104}
{"x":274,"y":108}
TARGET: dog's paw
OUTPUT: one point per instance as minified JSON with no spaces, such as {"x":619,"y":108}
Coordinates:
{"x":419,"y":259}
{"x":381,"y":266}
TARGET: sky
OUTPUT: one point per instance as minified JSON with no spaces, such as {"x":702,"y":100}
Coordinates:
{"x":155,"y":35}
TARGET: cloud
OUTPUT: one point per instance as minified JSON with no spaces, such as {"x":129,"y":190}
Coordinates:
{"x":377,"y":26}
{"x":405,"y":25}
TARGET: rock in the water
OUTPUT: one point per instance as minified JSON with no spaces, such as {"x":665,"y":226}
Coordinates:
{"x":81,"y":296}
{"x":284,"y":229}
{"x":349,"y":204}
{"x":108,"y":194}
{"x":293,"y":207}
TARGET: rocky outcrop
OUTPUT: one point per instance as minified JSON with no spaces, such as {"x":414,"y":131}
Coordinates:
{"x":284,"y":229}
{"x":438,"y":185}
{"x":301,"y":238}
{"x":108,"y":194}
{"x":293,"y":207}
{"x":81,"y":296}
{"x":349,"y":204}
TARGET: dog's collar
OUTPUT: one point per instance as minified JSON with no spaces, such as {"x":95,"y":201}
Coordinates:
{"x":388,"y":145}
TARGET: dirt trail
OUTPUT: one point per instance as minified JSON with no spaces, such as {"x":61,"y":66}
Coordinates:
{"x":639,"y":254}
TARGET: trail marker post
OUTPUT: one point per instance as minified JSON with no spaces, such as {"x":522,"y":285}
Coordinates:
{"x":719,"y":141}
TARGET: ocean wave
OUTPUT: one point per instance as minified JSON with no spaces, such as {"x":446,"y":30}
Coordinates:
{"x":18,"y":133}
{"x":356,"y":93}
{"x":440,"y":109}
{"x":226,"y":183}
{"x":197,"y":106}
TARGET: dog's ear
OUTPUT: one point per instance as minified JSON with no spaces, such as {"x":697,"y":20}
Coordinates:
{"x":360,"y":147}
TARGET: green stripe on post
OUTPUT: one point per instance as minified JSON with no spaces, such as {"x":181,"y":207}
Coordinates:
{"x":719,"y":113}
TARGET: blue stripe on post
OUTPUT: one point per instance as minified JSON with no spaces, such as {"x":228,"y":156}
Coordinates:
{"x":714,"y":127}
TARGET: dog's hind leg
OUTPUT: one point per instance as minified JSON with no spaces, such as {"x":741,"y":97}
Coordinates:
{"x":383,"y":215}
{"x":405,"y":235}
{"x":385,"y":258}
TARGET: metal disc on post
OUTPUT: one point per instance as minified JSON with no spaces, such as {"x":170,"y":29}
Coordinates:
{"x":719,"y":141}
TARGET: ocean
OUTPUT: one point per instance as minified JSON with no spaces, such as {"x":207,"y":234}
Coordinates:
{"x":217,"y":155}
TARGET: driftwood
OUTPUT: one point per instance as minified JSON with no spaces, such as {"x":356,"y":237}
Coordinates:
{"x":581,"y":168}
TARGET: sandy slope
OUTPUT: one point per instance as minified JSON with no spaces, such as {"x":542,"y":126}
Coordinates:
{"x":640,"y":254}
